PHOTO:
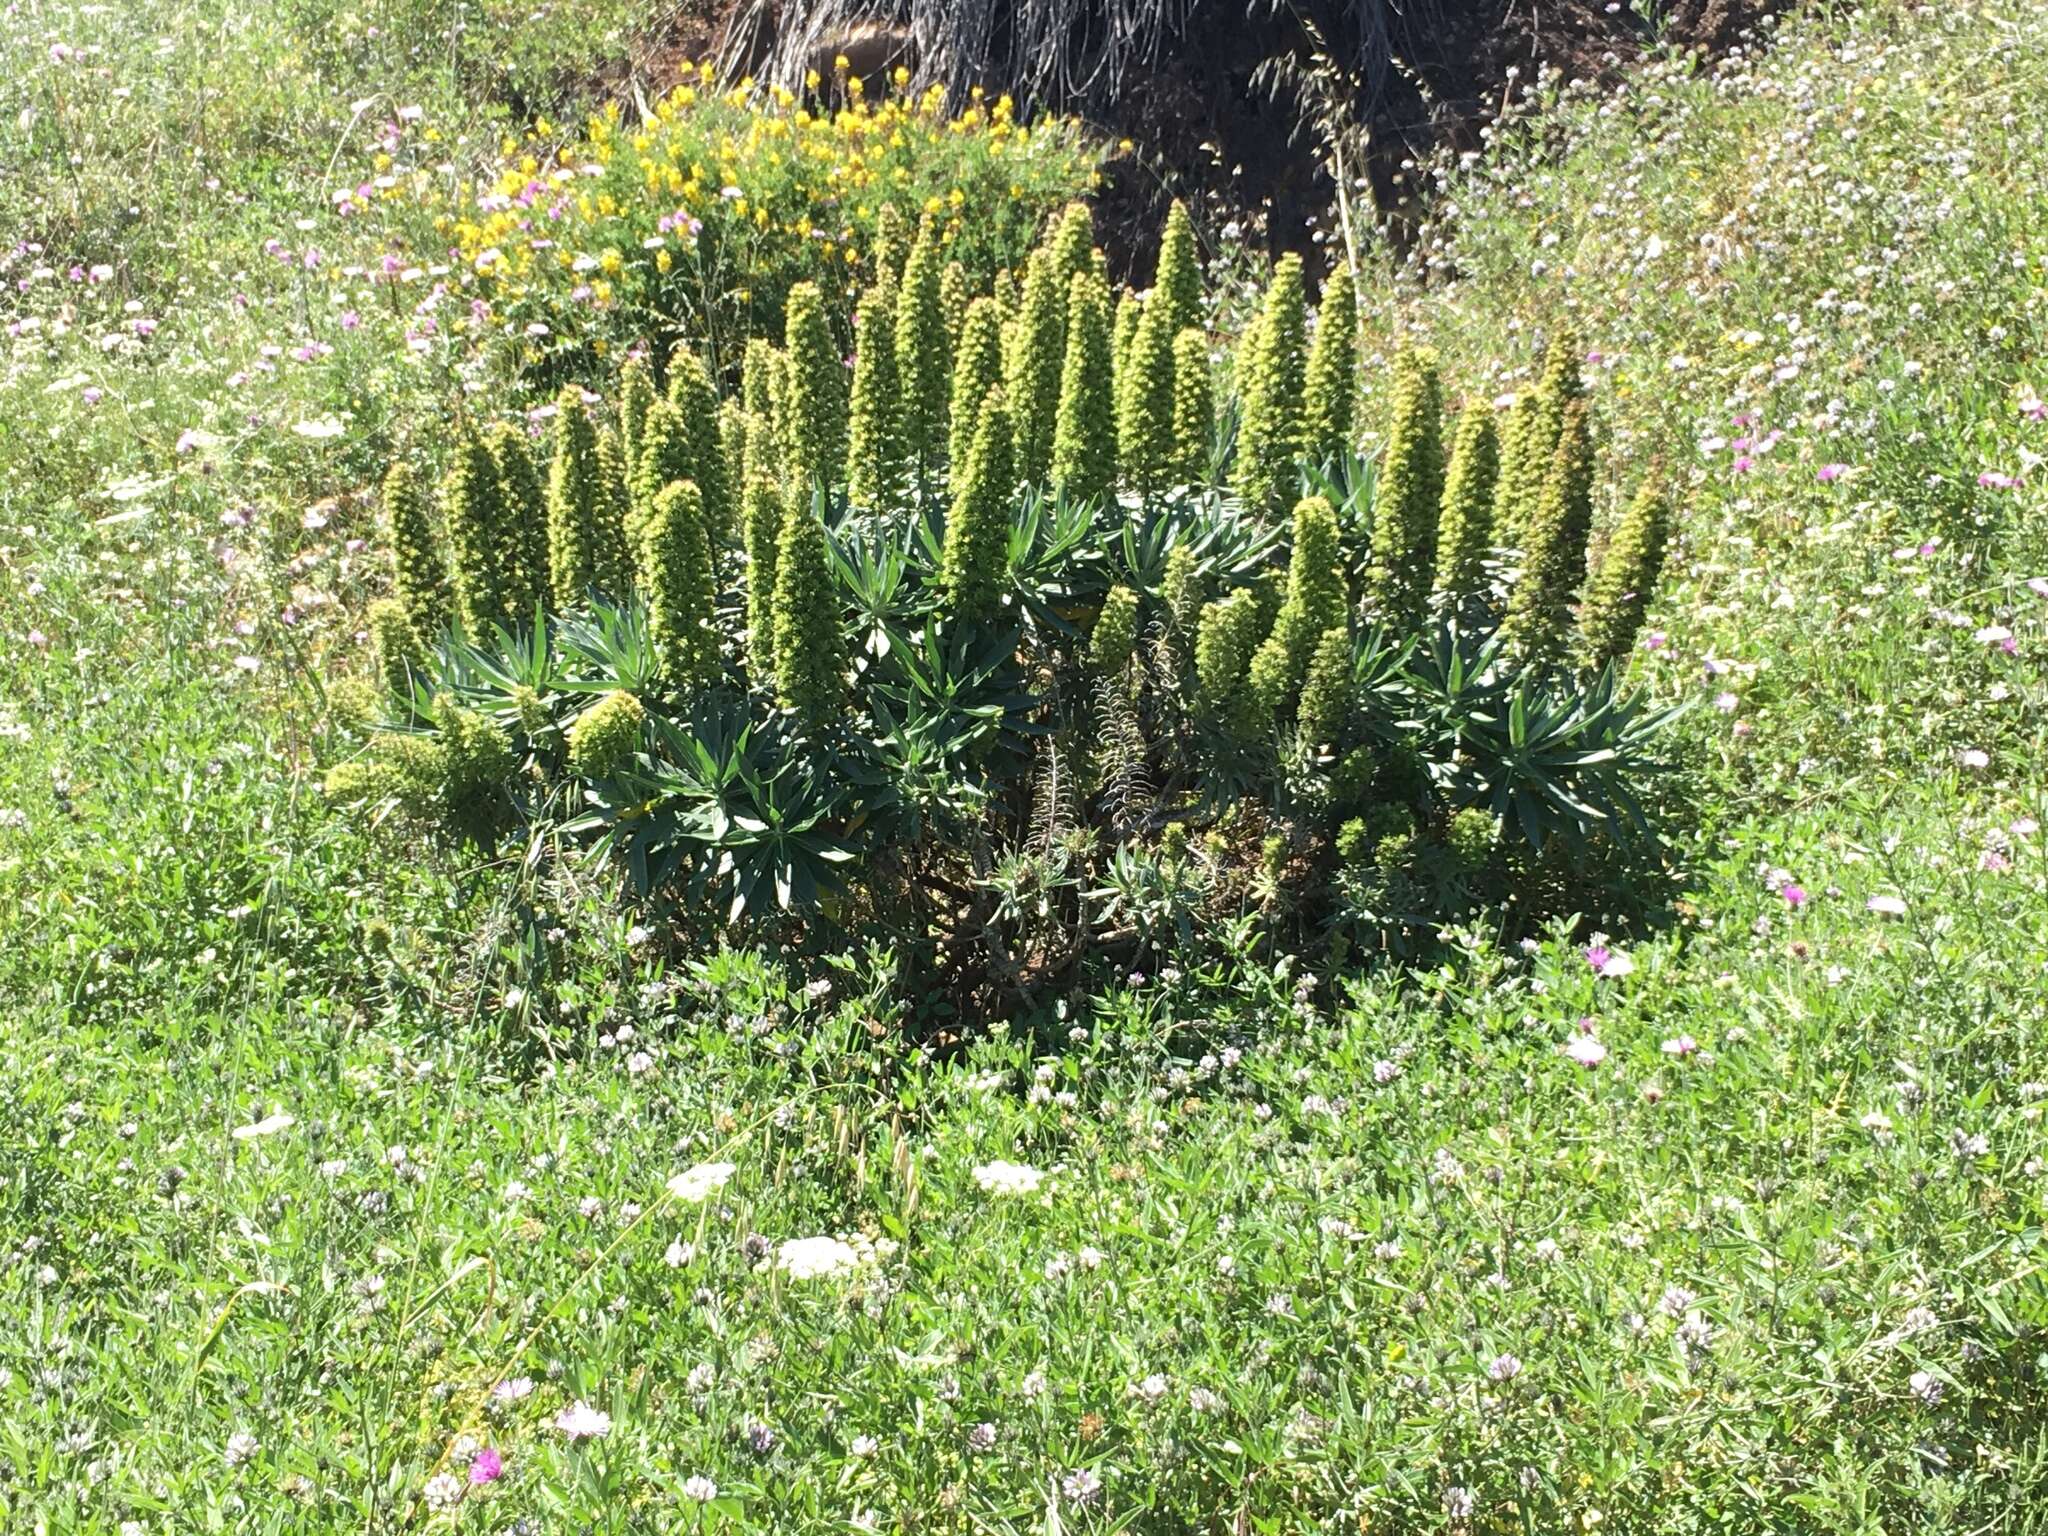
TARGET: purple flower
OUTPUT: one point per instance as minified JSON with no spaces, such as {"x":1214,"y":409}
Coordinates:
{"x":1795,"y":896}
{"x":1609,"y":962}
{"x":1830,"y":472}
{"x":488,"y":1466}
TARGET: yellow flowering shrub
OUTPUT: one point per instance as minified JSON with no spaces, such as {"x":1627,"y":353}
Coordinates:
{"x":699,"y":220}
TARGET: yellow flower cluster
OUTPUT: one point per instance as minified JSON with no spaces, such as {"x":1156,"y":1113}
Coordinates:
{"x":725,"y":198}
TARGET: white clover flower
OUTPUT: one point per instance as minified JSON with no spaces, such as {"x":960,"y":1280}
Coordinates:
{"x":699,"y":1490}
{"x":269,"y":1125}
{"x":580,"y":1421}
{"x":812,"y":1258}
{"x":695,"y":1185}
{"x":1004,"y":1178}
{"x":1586,"y":1050}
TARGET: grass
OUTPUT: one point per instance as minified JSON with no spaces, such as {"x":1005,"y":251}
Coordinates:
{"x":1368,"y":1253}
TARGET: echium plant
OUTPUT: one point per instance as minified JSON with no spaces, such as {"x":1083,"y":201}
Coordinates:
{"x":1181,"y":592}
{"x":1619,"y":594}
{"x":604,"y":736}
{"x":1330,"y":392}
{"x":1326,"y":693}
{"x":1526,"y":468}
{"x":1464,"y":525}
{"x":525,"y":531}
{"x":1226,"y":636}
{"x":1177,"y":280}
{"x":1269,"y":434}
{"x":814,"y":410}
{"x":675,"y":559}
{"x":1194,"y":406}
{"x":761,"y":530}
{"x":572,"y":503}
{"x":636,"y":394}
{"x":472,"y":510}
{"x":1538,"y":625}
{"x":419,"y":572}
{"x":1145,"y":396}
{"x":977,"y":369}
{"x":732,"y":459}
{"x":693,"y":393}
{"x":978,"y":531}
{"x":614,"y":505}
{"x":875,"y":445}
{"x":1115,"y":635}
{"x":392,"y":641}
{"x":1073,"y":244}
{"x":1274,"y":695}
{"x":664,"y":459}
{"x":1084,"y":435}
{"x":956,"y":292}
{"x":810,"y":651}
{"x":1515,"y":452}
{"x":1405,"y":503}
{"x":923,"y":361}
{"x":1315,"y":602}
{"x":1122,"y":333}
{"x":760,"y":373}
{"x":890,"y":247}
{"x":1034,"y":361}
